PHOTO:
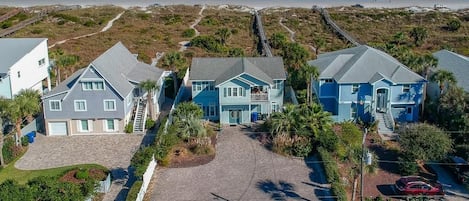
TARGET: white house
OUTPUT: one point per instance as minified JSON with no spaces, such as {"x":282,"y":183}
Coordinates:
{"x":24,"y":65}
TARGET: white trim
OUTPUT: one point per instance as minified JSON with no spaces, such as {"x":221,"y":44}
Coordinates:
{"x":408,"y":88}
{"x":80,"y":126}
{"x":350,"y":102}
{"x":244,"y":73}
{"x":75,"y":105}
{"x":402,"y":103}
{"x":109,"y":100}
{"x":116,"y":125}
{"x":57,"y":101}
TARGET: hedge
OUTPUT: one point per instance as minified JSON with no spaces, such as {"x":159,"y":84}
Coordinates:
{"x":133,"y":192}
{"x":332,"y":174}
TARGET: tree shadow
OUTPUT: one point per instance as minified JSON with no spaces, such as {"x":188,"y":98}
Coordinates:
{"x":388,"y":191}
{"x":280,"y":191}
{"x":126,"y":178}
{"x":387,"y":155}
{"x":317,"y":177}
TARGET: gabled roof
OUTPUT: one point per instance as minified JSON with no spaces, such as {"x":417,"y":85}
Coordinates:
{"x":455,"y":63}
{"x":119,"y":67}
{"x":66,"y":85}
{"x":13,"y":49}
{"x":361,"y":64}
{"x":220,"y":70}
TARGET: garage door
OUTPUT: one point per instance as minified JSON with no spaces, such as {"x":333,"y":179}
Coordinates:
{"x":57,"y":128}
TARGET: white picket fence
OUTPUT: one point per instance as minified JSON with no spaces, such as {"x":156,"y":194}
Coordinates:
{"x":147,"y":178}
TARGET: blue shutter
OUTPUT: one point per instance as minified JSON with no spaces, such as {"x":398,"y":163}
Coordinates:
{"x":224,"y":92}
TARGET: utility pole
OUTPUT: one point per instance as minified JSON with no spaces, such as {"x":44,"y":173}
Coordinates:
{"x":362,"y":166}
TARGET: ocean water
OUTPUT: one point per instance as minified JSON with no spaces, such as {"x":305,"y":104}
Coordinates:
{"x":453,"y":4}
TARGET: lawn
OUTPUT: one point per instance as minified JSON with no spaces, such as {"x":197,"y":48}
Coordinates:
{"x":23,"y":176}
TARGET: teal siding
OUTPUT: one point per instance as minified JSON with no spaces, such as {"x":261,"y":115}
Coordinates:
{"x":5,"y":87}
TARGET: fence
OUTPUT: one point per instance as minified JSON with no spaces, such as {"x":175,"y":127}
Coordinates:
{"x":179,"y":96}
{"x":147,"y":178}
{"x":104,"y":186}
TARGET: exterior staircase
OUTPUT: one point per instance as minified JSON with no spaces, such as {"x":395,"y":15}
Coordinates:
{"x":386,"y":123}
{"x":140,"y":116}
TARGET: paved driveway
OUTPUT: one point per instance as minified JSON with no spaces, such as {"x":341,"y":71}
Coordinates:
{"x":242,"y":170}
{"x":454,"y":191}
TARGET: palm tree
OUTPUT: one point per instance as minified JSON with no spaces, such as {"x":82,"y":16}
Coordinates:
{"x":62,"y":61}
{"x":294,"y":55}
{"x":419,"y":34}
{"x":316,"y":119}
{"x":24,"y":104}
{"x":285,"y":123}
{"x":224,"y":34}
{"x":150,"y":86}
{"x":174,"y":61}
{"x":310,"y":73}
{"x":187,"y":117}
{"x":320,"y":43}
{"x":277,"y":40}
{"x":443,"y":78}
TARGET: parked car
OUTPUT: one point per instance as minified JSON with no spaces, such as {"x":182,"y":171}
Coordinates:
{"x":416,"y":185}
{"x":458,"y":167}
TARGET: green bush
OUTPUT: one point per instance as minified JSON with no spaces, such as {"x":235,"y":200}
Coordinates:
{"x":82,"y":174}
{"x":10,"y":150}
{"x":208,"y":43}
{"x":328,"y":140}
{"x":129,"y":128}
{"x":89,"y":23}
{"x":407,"y":166}
{"x":172,"y":19}
{"x":6,"y":24}
{"x":140,"y":160}
{"x":133,"y":192}
{"x":67,"y":17}
{"x":143,"y":16}
{"x":37,"y":31}
{"x":188,"y":33}
{"x":302,"y":148}
{"x":338,"y":189}
{"x":24,"y":141}
{"x":149,"y":123}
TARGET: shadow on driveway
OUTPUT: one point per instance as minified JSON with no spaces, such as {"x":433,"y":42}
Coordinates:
{"x":281,"y":191}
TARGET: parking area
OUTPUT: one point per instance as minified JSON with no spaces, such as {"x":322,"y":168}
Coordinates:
{"x":243,"y":169}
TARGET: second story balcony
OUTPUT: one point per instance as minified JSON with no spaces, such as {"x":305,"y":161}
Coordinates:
{"x":260,"y":97}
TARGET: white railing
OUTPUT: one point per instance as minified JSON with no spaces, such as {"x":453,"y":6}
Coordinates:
{"x":390,"y":119}
{"x":147,"y":178}
{"x":260,"y":97}
{"x":136,"y":113}
{"x":144,"y":118}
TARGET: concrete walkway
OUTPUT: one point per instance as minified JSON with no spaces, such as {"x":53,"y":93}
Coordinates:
{"x":242,"y":170}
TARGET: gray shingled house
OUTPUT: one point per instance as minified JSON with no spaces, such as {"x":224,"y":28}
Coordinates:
{"x":103,"y":97}
{"x":237,"y":90}
{"x":452,"y":62}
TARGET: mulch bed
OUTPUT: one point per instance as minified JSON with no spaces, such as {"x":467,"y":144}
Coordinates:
{"x":94,"y":173}
{"x":184,"y":158}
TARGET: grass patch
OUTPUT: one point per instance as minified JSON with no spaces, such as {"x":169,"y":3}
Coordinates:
{"x":23,"y":176}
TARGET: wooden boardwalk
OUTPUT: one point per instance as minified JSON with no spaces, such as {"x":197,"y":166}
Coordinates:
{"x":10,"y":14}
{"x":327,"y":18}
{"x":263,"y":38}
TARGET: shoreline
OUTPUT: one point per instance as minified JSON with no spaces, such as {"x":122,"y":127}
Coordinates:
{"x":253,"y":4}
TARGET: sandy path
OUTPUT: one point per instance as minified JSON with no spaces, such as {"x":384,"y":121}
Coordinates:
{"x":292,"y":34}
{"x":107,"y":27}
{"x":184,"y":44}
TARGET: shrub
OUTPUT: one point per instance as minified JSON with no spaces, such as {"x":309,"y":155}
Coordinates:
{"x":67,"y":17}
{"x":10,"y":150}
{"x":188,"y":33}
{"x":172,"y":19}
{"x":329,"y":141}
{"x":129,"y":128}
{"x":332,"y":174}
{"x":143,"y":16}
{"x":203,"y":150}
{"x":89,"y":23}
{"x":208,"y":43}
{"x":24,"y":141}
{"x":236,"y":52}
{"x":149,"y":123}
{"x":82,"y":174}
{"x":37,"y":31}
{"x":302,"y":147}
{"x":140,"y":160}
{"x":407,"y":166}
{"x":454,"y":25}
{"x":133,"y":192}
{"x":6,"y":24}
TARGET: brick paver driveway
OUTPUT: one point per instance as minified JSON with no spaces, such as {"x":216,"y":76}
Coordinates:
{"x":242,"y":170}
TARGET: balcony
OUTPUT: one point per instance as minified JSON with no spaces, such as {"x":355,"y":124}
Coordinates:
{"x":260,"y":97}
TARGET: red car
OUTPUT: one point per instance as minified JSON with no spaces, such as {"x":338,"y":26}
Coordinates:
{"x":415,"y":185}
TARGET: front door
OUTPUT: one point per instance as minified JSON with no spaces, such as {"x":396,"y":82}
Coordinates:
{"x":235,"y":116}
{"x":382,"y":100}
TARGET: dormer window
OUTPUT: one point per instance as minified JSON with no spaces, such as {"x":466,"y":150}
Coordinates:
{"x":327,"y":81}
{"x":90,"y":85}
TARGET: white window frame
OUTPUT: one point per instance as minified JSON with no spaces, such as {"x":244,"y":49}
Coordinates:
{"x":355,"y":88}
{"x":116,"y":125}
{"x":95,"y":85}
{"x":84,"y":86}
{"x":199,"y":86}
{"x":80,"y":125}
{"x":55,"y":101}
{"x":109,"y":100}
{"x":406,"y":88}
{"x":76,"y":108}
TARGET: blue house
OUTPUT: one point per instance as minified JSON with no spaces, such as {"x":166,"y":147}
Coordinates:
{"x":103,"y":97}
{"x":237,"y":90}
{"x":367,"y":84}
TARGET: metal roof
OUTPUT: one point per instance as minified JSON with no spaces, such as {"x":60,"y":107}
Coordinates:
{"x":13,"y":49}
{"x":220,"y":70}
{"x":361,"y":64}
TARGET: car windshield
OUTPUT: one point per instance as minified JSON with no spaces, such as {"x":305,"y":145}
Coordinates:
{"x":400,"y":184}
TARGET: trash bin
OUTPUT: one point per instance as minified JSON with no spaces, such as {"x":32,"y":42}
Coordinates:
{"x":254,"y":116}
{"x":31,"y":136}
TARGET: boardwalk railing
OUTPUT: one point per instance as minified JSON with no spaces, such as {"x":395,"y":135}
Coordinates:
{"x":331,"y":23}
{"x":10,"y":14}
{"x":263,"y":39}
{"x":22,"y":24}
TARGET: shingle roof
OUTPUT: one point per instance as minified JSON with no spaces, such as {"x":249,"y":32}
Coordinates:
{"x":66,"y":85}
{"x":119,"y":66}
{"x":455,"y":63}
{"x":361,"y":64}
{"x":13,"y":49}
{"x":220,"y":70}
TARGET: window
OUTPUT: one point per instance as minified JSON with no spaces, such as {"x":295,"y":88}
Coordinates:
{"x":199,"y":86}
{"x":211,"y":87}
{"x":353,"y":112}
{"x":88,"y":86}
{"x":212,"y":110}
{"x":19,"y":74}
{"x":355,"y":88}
{"x":109,"y":105}
{"x":275,"y":107}
{"x":406,"y":88}
{"x":42,"y":62}
{"x":235,"y":91}
{"x":242,"y":92}
{"x":229,"y":91}
{"x":327,"y":80}
{"x":277,"y":84}
{"x":54,"y":105}
{"x":83,"y":126}
{"x":80,"y":105}
{"x":110,"y":125}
